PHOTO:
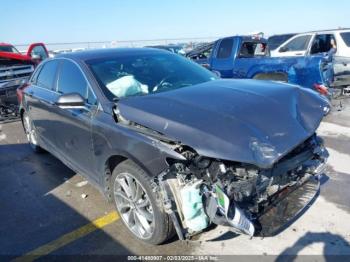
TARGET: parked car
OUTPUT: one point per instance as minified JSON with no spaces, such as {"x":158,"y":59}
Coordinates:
{"x":319,"y":42}
{"x":15,"y":70}
{"x":274,"y":41}
{"x":247,"y":57}
{"x":174,"y":147}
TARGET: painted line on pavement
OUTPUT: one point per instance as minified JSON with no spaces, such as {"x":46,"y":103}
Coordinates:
{"x":69,"y":237}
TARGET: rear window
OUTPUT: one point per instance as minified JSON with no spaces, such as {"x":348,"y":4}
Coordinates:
{"x":252,"y":49}
{"x":299,"y":43}
{"x":346,"y":38}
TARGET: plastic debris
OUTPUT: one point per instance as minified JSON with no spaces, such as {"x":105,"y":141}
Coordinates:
{"x":84,"y":196}
{"x":81,"y":184}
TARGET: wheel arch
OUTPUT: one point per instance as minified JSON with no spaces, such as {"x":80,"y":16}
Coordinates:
{"x":111,"y":163}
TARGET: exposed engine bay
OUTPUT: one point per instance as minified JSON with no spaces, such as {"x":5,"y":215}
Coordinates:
{"x":201,"y":191}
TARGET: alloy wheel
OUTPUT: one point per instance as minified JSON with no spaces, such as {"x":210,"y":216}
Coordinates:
{"x":134,"y":205}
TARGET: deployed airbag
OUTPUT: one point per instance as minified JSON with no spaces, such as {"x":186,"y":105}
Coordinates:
{"x":127,"y":86}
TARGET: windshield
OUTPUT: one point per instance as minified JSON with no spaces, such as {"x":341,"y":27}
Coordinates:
{"x":275,"y":41}
{"x":8,"y":48}
{"x":146,"y":74}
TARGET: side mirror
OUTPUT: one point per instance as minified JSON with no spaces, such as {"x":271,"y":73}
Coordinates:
{"x":36,"y":57}
{"x":37,"y":51}
{"x":71,"y":100}
{"x":283,"y":49}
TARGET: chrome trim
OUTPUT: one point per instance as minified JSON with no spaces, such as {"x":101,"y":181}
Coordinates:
{"x":16,"y":70}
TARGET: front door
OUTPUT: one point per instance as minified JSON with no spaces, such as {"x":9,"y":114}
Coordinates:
{"x":296,"y":46}
{"x":73,"y":137}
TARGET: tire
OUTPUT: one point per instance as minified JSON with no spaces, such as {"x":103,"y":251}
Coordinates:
{"x":128,"y":177}
{"x":30,"y":133}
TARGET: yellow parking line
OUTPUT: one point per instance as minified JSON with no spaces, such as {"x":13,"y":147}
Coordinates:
{"x":69,"y":237}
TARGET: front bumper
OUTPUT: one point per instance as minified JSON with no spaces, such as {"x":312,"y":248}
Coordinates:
{"x":8,"y":90}
{"x":287,"y":206}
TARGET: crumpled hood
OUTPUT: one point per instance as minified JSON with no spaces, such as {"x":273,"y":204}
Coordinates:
{"x":248,"y":121}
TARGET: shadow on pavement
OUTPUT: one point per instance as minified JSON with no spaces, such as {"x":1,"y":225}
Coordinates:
{"x":40,"y":202}
{"x":334,"y":245}
{"x":31,"y":215}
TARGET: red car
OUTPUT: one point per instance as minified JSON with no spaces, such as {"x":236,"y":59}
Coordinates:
{"x":16,"y":68}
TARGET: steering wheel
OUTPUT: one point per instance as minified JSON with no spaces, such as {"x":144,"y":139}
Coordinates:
{"x":163,"y":83}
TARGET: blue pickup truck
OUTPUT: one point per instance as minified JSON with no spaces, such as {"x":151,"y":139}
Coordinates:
{"x":248,"y":57}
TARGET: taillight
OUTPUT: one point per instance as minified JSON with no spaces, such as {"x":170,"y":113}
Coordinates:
{"x":322,"y":89}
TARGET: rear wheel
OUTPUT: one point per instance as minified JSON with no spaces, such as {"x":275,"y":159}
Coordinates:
{"x":139,"y":207}
{"x":31,"y":133}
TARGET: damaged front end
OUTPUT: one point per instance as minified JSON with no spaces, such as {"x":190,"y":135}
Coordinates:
{"x":201,"y":191}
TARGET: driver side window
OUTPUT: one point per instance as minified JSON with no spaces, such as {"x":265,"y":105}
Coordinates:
{"x":71,"y":80}
{"x":299,"y":43}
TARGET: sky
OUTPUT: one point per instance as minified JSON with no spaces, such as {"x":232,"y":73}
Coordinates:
{"x":57,"y":21}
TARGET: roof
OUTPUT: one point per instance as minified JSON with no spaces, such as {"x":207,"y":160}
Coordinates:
{"x":328,"y":30}
{"x":246,"y":38}
{"x":110,"y":52}
{"x":5,"y":44}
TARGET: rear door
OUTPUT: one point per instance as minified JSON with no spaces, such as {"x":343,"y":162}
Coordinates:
{"x":342,"y":59}
{"x":40,"y":97}
{"x":73,"y":134}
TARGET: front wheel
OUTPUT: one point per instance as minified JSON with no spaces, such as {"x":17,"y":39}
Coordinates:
{"x":30,"y":133}
{"x":139,"y":207}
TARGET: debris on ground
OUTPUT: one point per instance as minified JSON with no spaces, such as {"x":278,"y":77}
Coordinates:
{"x":8,"y":113}
{"x":81,"y":184}
{"x":84,"y":196}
